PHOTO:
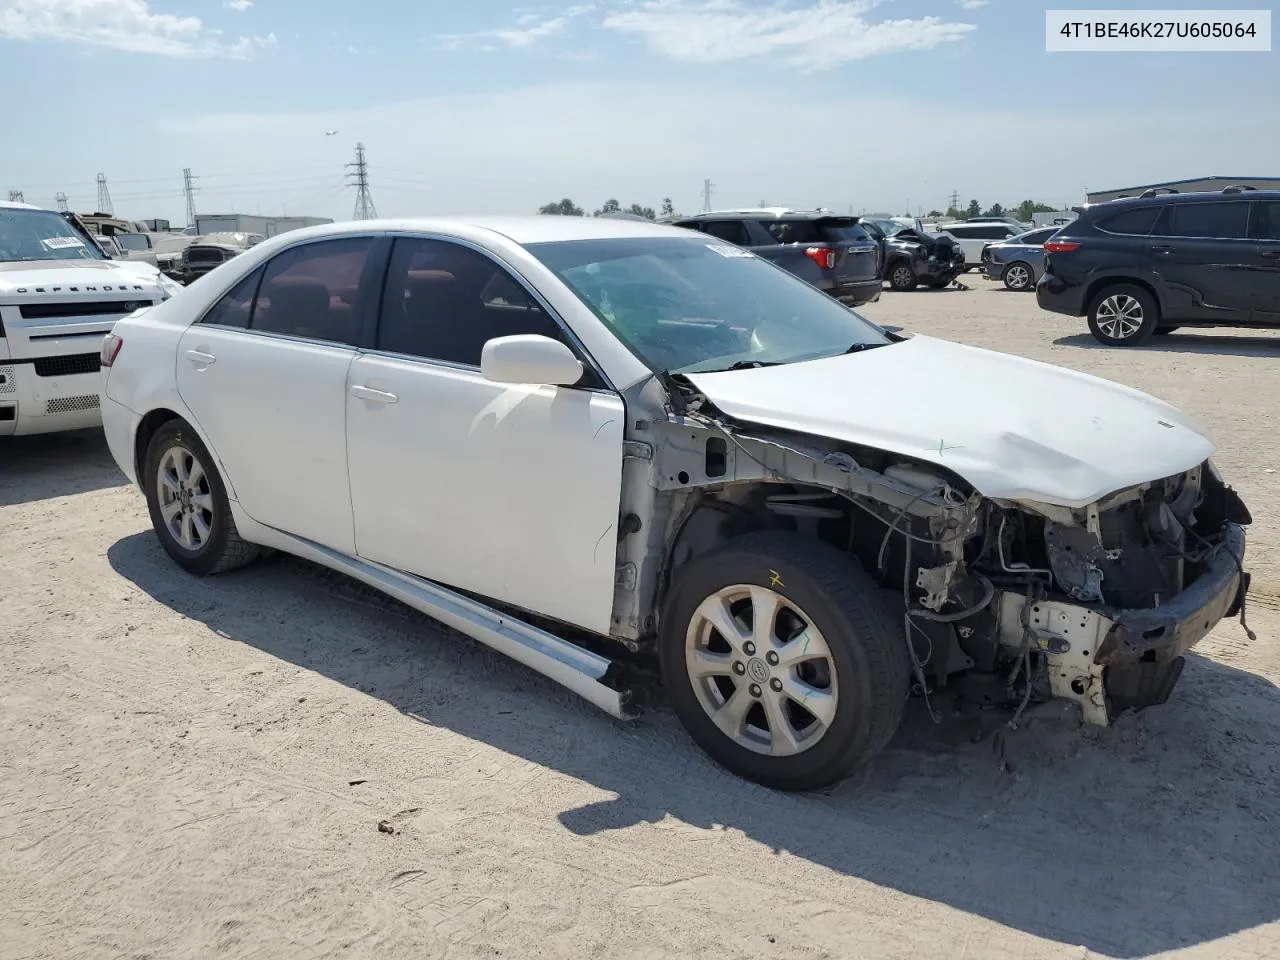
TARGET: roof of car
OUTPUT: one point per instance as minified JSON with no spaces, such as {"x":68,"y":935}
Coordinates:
{"x":542,"y":228}
{"x":1120,"y":203}
{"x":757,"y":212}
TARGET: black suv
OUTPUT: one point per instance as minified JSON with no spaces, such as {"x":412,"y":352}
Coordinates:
{"x":910,"y":257}
{"x":831,"y":252}
{"x":1150,"y":264}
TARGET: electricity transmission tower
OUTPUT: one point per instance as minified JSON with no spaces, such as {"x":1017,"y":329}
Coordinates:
{"x":61,"y":199}
{"x":707,"y":189}
{"x":954,"y":201}
{"x":15,"y":196}
{"x":359,"y":177}
{"x":104,"y":197}
{"x":189,"y":188}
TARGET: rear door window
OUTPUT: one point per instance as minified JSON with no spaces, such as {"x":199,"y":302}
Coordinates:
{"x":794,"y":231}
{"x":1136,"y":222}
{"x":731,"y":231}
{"x":313,"y":291}
{"x":835,"y":232}
{"x":1266,"y":221}
{"x":1212,"y":221}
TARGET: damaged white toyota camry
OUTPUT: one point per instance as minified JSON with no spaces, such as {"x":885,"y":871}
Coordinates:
{"x":597,"y":444}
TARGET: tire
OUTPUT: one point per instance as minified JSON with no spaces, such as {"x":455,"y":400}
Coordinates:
{"x":938,"y":283}
{"x":862,"y":657}
{"x":901,"y":276}
{"x":212,"y":544}
{"x":1018,"y":276}
{"x":1123,"y":315}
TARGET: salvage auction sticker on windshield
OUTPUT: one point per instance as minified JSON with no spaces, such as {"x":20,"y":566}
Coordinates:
{"x":62,"y":243}
{"x":729,"y":251}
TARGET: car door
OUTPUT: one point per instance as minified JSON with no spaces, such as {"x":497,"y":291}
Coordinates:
{"x":1265,"y":229}
{"x":264,"y":373}
{"x":1202,"y":251}
{"x":508,"y":491}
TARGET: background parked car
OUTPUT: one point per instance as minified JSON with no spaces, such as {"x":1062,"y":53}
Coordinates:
{"x":972,"y":237}
{"x":909,"y":256}
{"x":212,"y":250}
{"x":832,"y":253}
{"x":1018,"y":261}
{"x":1150,"y":264}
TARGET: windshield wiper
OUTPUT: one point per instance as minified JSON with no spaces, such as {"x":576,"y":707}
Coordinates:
{"x":752,"y":364}
{"x":859,"y":347}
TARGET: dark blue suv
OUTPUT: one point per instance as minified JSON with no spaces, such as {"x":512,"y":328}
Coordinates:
{"x":1151,"y":264}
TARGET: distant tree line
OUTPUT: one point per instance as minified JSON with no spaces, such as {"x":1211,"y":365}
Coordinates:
{"x":567,"y":208}
{"x":1023,"y":211}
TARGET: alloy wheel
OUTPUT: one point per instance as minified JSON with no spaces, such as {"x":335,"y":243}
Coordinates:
{"x":186,"y":499}
{"x":761,"y":670}
{"x":1120,"y":316}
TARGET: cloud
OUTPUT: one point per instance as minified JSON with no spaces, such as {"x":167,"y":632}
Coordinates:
{"x":240,"y":5}
{"x":810,"y":35}
{"x":122,"y":25}
{"x":528,"y":30}
{"x":971,"y":4}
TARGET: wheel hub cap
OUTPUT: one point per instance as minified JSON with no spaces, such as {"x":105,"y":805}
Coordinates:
{"x":758,"y":670}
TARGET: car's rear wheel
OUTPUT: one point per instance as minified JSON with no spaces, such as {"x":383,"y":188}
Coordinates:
{"x":1017,"y":276}
{"x":783,"y":661}
{"x":901,"y":276}
{"x":188,"y":503}
{"x":1123,"y":315}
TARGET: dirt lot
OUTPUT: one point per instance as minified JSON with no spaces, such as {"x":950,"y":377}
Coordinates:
{"x":197,"y":768}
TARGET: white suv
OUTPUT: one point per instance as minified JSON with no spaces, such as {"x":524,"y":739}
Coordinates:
{"x":59,"y":295}
{"x":596,"y":444}
{"x":973,"y":236}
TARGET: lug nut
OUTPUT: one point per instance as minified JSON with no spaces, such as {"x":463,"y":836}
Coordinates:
{"x":776,"y":684}
{"x":755,"y":691}
{"x":749,"y":648}
{"x":738,"y":668}
{"x":772,"y":658}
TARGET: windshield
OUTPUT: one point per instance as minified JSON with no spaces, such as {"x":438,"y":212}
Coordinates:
{"x":889,"y":228}
{"x":41,"y":235}
{"x":689,"y":306}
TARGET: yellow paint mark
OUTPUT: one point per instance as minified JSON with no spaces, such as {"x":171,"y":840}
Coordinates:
{"x":775,"y":579}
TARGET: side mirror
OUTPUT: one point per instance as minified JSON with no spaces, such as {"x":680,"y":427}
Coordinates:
{"x":530,"y":358}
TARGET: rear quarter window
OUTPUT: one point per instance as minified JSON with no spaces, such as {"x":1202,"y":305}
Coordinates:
{"x":794,"y":231}
{"x":1136,"y":222}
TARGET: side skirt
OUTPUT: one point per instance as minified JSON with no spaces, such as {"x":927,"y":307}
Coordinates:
{"x":569,"y":665}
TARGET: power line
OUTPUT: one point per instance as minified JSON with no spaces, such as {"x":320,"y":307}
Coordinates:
{"x":364,"y":200}
{"x":104,"y":197}
{"x":189,"y":188}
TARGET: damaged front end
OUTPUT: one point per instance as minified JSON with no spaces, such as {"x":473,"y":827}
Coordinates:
{"x":1001,"y":602}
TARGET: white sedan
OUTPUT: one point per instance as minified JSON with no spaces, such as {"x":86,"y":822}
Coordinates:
{"x":664,"y":448}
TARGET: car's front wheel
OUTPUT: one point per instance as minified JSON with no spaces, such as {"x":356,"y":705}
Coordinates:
{"x":1123,"y":315}
{"x":783,"y":661}
{"x":188,"y":503}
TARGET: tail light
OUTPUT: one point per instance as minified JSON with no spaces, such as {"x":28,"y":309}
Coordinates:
{"x":1061,"y":246}
{"x":824,"y":257}
{"x":111,"y":345}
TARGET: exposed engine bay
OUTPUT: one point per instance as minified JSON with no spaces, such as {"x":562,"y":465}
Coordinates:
{"x":1001,"y":602}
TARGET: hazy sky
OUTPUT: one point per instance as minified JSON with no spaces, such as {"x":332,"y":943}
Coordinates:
{"x":490,"y":107}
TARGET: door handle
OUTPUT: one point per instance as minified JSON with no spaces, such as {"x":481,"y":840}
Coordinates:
{"x":376,"y":396}
{"x":1271,"y":253}
{"x":199,"y":356}
{"x":1161,"y":248}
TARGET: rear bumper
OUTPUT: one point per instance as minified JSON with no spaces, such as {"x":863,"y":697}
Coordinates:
{"x":32,"y":404}
{"x":120,"y":424}
{"x":855,"y":294}
{"x":1055,"y":294}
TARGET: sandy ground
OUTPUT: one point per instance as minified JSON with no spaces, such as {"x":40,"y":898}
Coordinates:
{"x":196,"y":768}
